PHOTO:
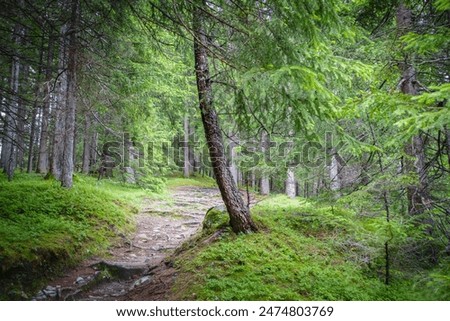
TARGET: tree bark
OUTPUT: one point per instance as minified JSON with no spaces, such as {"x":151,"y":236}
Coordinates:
{"x":232,"y":154}
{"x":10,"y":151}
{"x":335,"y":170}
{"x":43,"y":140}
{"x":60,"y":108}
{"x":86,"y":166}
{"x":21,"y":115}
{"x":290,"y":183}
{"x":418,"y":198}
{"x":186,"y":165}
{"x":69,"y":137}
{"x":240,"y":219}
{"x":265,"y":182}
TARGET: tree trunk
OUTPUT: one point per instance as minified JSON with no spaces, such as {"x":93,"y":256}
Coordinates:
{"x":94,"y":148}
{"x":335,"y":170}
{"x":290,"y":183}
{"x":290,"y":177}
{"x":35,"y":112}
{"x":232,"y":154}
{"x":43,"y":140}
{"x":21,"y":115}
{"x":447,"y":142}
{"x":186,"y":165}
{"x":60,"y":108}
{"x":69,"y":137}
{"x":86,"y":166}
{"x":418,"y":198}
{"x":265,"y":182}
{"x":10,"y":150}
{"x":240,"y":219}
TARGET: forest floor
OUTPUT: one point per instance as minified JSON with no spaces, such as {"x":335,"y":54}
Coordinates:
{"x":161,"y":226}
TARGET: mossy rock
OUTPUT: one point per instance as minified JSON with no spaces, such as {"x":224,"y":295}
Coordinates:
{"x":215,"y":218}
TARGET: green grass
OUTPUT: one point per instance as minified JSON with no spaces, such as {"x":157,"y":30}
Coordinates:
{"x":177,"y":180}
{"x":44,"y":228}
{"x":304,"y":251}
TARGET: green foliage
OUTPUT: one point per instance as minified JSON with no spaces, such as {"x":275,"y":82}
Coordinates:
{"x":305,"y":251}
{"x":215,"y":219}
{"x":44,"y":227}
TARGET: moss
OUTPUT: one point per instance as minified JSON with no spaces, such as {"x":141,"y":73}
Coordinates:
{"x":215,"y":218}
{"x":45,"y":228}
{"x":305,"y":251}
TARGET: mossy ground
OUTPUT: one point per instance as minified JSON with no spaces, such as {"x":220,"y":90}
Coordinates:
{"x":45,"y":228}
{"x":304,"y":251}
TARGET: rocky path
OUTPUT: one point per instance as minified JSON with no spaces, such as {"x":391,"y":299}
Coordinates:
{"x":162,"y":226}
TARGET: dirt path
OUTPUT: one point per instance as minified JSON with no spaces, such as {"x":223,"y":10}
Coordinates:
{"x":162,"y":226}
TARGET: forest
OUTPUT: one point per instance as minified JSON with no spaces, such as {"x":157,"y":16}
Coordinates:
{"x":225,"y":150}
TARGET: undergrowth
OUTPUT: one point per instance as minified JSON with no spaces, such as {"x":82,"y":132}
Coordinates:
{"x":305,"y":250}
{"x":45,"y":228}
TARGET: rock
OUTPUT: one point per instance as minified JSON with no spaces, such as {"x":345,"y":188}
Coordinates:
{"x":122,"y":270}
{"x":141,"y":281}
{"x":80,"y":280}
{"x":40,"y":296}
{"x":50,"y":292}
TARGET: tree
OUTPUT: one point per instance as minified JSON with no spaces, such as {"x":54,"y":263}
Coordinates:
{"x":240,"y":219}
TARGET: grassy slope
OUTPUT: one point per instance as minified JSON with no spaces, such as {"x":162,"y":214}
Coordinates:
{"x":306,"y":251}
{"x":44,"y":228}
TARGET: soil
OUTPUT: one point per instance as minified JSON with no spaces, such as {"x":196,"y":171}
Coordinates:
{"x":137,"y":269}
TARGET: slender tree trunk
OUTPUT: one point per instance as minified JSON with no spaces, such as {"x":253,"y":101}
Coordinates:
{"x":186,"y":165}
{"x":447,"y":142}
{"x":69,"y":137}
{"x":87,"y":144}
{"x":290,"y":177}
{"x":418,"y":198}
{"x":191,"y":147}
{"x":265,"y":182}
{"x":60,"y":108}
{"x":43,"y":140}
{"x":240,"y":219}
{"x":21,"y":115}
{"x":10,"y":150}
{"x":290,"y":183}
{"x":232,"y":154}
{"x":3,"y":128}
{"x":94,"y":148}
{"x":335,"y":170}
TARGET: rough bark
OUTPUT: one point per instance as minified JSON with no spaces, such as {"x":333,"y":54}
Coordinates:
{"x":35,"y":111}
{"x":60,"y":108}
{"x":240,"y":219}
{"x":10,"y":151}
{"x":43,"y":163}
{"x":69,"y":137}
